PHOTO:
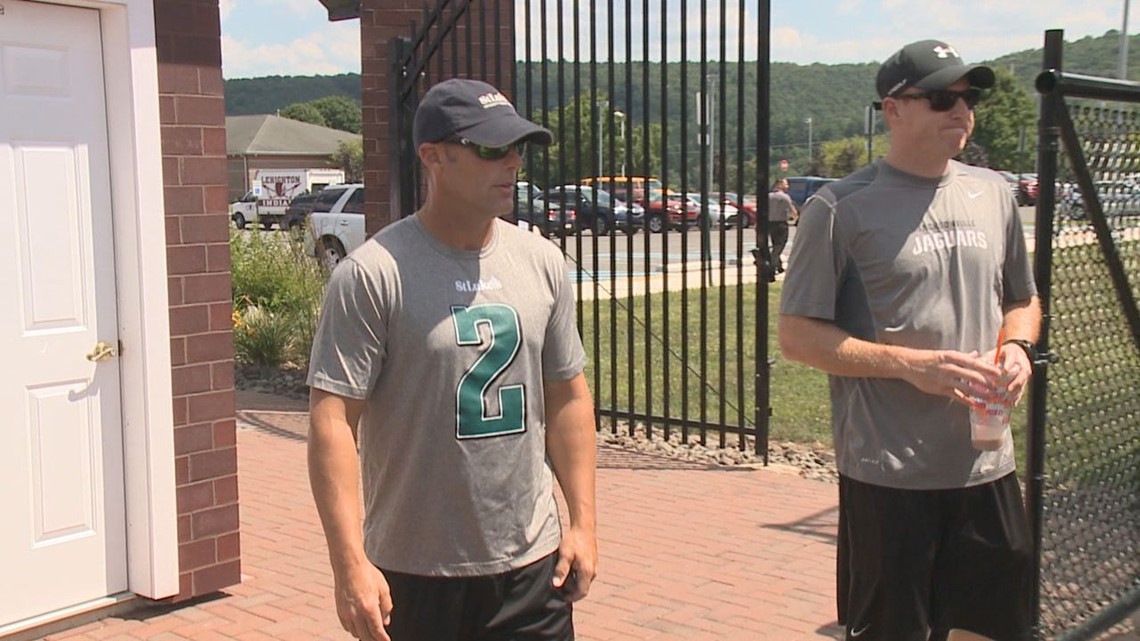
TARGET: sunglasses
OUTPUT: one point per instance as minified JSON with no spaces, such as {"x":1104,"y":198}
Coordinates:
{"x":945,"y":99}
{"x":491,"y":153}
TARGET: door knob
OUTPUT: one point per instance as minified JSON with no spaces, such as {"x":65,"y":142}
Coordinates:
{"x":102,"y":352}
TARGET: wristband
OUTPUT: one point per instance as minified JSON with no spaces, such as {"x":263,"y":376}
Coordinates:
{"x":1029,"y":348}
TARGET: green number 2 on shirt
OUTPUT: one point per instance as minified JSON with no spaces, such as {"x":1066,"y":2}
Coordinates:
{"x":472,"y":419}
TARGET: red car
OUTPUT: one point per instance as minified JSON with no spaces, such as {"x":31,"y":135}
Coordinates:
{"x":673,"y":211}
{"x":746,"y":205}
{"x":1028,"y":189}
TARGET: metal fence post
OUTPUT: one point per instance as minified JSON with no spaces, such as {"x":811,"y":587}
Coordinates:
{"x":1047,"y":145}
{"x":401,"y":156}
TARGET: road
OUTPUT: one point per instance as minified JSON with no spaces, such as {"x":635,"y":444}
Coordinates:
{"x":641,"y":254}
{"x":619,"y":259}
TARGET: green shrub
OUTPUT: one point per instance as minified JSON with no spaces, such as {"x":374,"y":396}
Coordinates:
{"x":262,"y":337}
{"x":277,"y":292}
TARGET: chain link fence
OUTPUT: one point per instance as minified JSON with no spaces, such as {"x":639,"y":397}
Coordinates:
{"x":1089,"y":478}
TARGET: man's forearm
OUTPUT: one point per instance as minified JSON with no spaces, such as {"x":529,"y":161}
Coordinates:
{"x":334,"y":476}
{"x":826,"y":347}
{"x":1022,"y":320}
{"x":570,"y":444}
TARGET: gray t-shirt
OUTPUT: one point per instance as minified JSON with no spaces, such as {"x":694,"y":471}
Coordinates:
{"x":780,"y":206}
{"x":450,"y":349}
{"x":897,"y":259}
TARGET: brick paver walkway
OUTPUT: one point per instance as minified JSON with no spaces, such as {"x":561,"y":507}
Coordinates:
{"x":687,"y":553}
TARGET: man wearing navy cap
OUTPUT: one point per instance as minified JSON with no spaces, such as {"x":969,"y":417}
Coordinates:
{"x":447,"y":350}
{"x":902,"y":278}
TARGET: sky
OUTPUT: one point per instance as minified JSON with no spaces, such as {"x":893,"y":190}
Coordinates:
{"x":294,"y":37}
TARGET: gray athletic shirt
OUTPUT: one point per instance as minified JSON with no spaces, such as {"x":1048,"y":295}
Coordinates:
{"x":450,"y":349}
{"x":898,"y":259}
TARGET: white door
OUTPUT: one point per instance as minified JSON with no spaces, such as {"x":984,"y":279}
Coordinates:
{"x":63,"y":530}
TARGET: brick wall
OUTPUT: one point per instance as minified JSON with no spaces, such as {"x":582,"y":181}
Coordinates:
{"x":381,"y":20}
{"x":198,"y":257}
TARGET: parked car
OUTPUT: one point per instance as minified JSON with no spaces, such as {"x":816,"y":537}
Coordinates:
{"x":1027,"y":184}
{"x":800,"y":188}
{"x":670,"y":210}
{"x":597,"y":210}
{"x":549,"y":218}
{"x":336,"y":224}
{"x":1014,"y":186}
{"x":746,"y":205}
{"x":299,"y":209}
{"x":1116,"y":198}
{"x":721,"y":214}
{"x":274,"y":189}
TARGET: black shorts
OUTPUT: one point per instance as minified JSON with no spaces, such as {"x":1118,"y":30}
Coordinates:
{"x":521,"y":604}
{"x":917,"y":562}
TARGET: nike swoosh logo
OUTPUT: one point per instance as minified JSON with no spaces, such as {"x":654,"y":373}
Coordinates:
{"x":974,"y":194}
{"x":858,"y":633}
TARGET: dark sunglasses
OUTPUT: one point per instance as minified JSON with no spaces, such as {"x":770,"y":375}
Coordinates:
{"x":945,"y":99}
{"x":492,"y":153}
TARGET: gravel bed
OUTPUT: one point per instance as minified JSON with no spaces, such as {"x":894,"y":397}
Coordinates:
{"x":815,"y":461}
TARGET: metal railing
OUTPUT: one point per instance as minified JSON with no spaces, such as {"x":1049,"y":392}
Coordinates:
{"x":673,"y":310}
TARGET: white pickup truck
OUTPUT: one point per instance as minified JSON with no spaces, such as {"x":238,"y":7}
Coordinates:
{"x":336,"y":226}
{"x":273,"y":189}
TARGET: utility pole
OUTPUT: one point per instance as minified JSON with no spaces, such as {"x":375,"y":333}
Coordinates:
{"x":870,"y":133}
{"x":601,"y":170}
{"x":1122,"y":69}
{"x":808,"y":122}
{"x":620,"y":115}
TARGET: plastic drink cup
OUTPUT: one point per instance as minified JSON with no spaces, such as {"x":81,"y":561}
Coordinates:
{"x":990,"y":415}
{"x":989,"y":424}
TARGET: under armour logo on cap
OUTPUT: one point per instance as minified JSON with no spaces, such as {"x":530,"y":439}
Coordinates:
{"x":945,"y":51}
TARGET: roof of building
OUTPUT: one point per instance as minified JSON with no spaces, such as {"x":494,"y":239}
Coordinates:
{"x":273,"y":135}
{"x":342,"y":9}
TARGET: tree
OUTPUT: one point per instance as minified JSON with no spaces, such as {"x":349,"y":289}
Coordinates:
{"x":349,"y":156}
{"x":340,"y":112}
{"x":305,"y":112}
{"x":975,"y":154}
{"x":1005,"y":116}
{"x":838,"y":158}
{"x":574,"y":154}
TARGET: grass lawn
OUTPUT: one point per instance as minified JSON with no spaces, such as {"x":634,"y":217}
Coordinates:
{"x":681,"y":378}
{"x":695,"y":358}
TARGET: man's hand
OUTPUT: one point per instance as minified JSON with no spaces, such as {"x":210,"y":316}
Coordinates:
{"x":577,"y":563}
{"x":953,"y":374}
{"x":364,"y":603}
{"x":1014,"y":363}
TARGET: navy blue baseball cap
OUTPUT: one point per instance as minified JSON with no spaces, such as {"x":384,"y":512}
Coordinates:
{"x":474,"y":110}
{"x":928,"y":64}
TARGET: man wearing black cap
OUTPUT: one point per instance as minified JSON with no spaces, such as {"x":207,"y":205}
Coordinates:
{"x":447,"y":350}
{"x":901,"y":275}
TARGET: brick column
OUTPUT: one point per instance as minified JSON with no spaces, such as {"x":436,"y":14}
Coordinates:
{"x":192,"y":112}
{"x":381,"y":20}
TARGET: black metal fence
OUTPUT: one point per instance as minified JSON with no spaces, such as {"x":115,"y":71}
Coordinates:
{"x":1084,"y":463}
{"x":655,"y":189}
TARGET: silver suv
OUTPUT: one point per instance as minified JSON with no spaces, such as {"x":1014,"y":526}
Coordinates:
{"x":336,"y":226}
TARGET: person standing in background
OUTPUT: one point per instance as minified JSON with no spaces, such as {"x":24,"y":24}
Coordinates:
{"x":781,"y":212}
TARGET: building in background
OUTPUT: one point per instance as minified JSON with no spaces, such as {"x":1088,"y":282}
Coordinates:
{"x":273,"y":142}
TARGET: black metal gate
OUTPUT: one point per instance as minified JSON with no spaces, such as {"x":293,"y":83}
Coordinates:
{"x":655,"y":189}
{"x":1084,"y":463}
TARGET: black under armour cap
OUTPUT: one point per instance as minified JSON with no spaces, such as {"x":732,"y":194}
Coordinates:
{"x":928,"y":64}
{"x":473,"y":110}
